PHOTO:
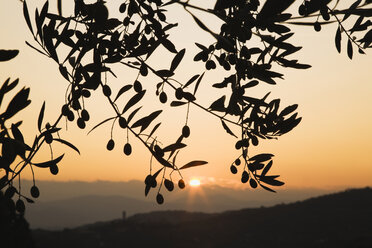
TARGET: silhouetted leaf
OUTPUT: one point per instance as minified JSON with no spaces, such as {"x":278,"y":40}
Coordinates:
{"x":288,"y":110}
{"x":29,"y":200}
{"x":191,"y":80}
{"x":130,"y":117}
{"x":193,"y":164}
{"x":261,"y":157}
{"x":349,"y":49}
{"x":49,"y":163}
{"x":228,"y":129}
{"x":164,"y":73}
{"x":198,"y":83}
{"x":135,"y":99}
{"x":267,"y":188}
{"x":169,"y":45}
{"x":154,"y":129}
{"x":338,"y":39}
{"x":177,"y":103}
{"x":201,"y":24}
{"x":250,"y":84}
{"x":6,"y":55}
{"x":267,"y":168}
{"x":173,"y":147}
{"x":177,"y":59}
{"x":123,"y":90}
{"x":27,"y":16}
{"x":350,"y":9}
{"x":41,"y":117}
{"x":188,"y":96}
{"x":65,"y":142}
{"x":17,"y":134}
{"x":179,"y":140}
{"x":102,"y":122}
{"x":146,"y":121}
{"x":19,"y":102}
{"x":218,"y":105}
{"x":28,"y":44}
{"x":269,"y":180}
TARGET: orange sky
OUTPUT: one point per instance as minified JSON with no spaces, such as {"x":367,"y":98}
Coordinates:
{"x":330,"y":148}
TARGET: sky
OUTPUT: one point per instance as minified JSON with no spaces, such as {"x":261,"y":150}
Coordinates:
{"x":329,"y":149}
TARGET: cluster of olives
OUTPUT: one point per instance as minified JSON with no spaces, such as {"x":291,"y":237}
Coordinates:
{"x":169,"y":185}
{"x":308,"y":7}
{"x":19,"y":205}
{"x":127,"y":147}
{"x":244,"y":143}
{"x":245,"y":175}
{"x":111,"y":143}
{"x":84,"y":114}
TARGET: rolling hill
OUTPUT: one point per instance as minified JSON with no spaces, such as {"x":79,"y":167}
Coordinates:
{"x":336,"y":220}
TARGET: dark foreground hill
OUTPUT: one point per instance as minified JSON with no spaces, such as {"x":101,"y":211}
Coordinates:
{"x":336,"y":220}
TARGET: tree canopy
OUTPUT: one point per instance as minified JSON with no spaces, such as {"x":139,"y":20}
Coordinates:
{"x":253,"y":43}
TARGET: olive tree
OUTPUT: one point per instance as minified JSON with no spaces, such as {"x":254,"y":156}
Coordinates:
{"x":253,"y":44}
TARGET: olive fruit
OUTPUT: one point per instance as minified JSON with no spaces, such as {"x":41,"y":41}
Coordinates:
{"x":233,"y":169}
{"x":48,"y":138}
{"x":186,"y":131}
{"x":65,"y":110}
{"x":110,"y":145}
{"x":210,"y":65}
{"x":123,"y":7}
{"x":245,"y":177}
{"x":137,"y":86}
{"x":238,"y":145}
{"x":85,"y":93}
{"x":70,"y":115}
{"x":237,"y":161}
{"x":81,"y":123}
{"x":85,"y":115}
{"x":148,"y":180}
{"x":143,"y":70}
{"x":54,"y":169}
{"x":127,"y":149}
{"x":76,"y":105}
{"x":179,"y":93}
{"x":302,"y":10}
{"x":163,"y":97}
{"x":106,"y":90}
{"x":181,"y":184}
{"x":123,"y":122}
{"x":20,"y":206}
{"x":254,"y":141}
{"x":10,"y":191}
{"x":159,"y":198}
{"x":154,"y":183}
{"x":168,"y":185}
{"x":253,"y":183}
{"x":35,"y":193}
{"x":317,"y":26}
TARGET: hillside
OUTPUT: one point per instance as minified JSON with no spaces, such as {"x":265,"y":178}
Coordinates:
{"x":337,"y":220}
{"x":72,"y":204}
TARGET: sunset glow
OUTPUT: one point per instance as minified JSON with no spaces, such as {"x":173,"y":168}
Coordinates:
{"x":194,"y":182}
{"x":319,"y":144}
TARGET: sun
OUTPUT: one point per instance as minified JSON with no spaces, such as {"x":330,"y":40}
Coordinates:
{"x":194,"y":182}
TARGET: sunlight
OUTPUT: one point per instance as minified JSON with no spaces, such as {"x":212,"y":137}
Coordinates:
{"x":194,"y":182}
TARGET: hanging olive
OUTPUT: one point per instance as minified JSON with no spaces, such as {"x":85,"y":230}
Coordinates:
{"x":127,"y":149}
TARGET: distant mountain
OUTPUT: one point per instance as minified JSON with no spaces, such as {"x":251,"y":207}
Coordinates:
{"x":81,"y":210}
{"x":70,"y":204}
{"x":336,"y":220}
